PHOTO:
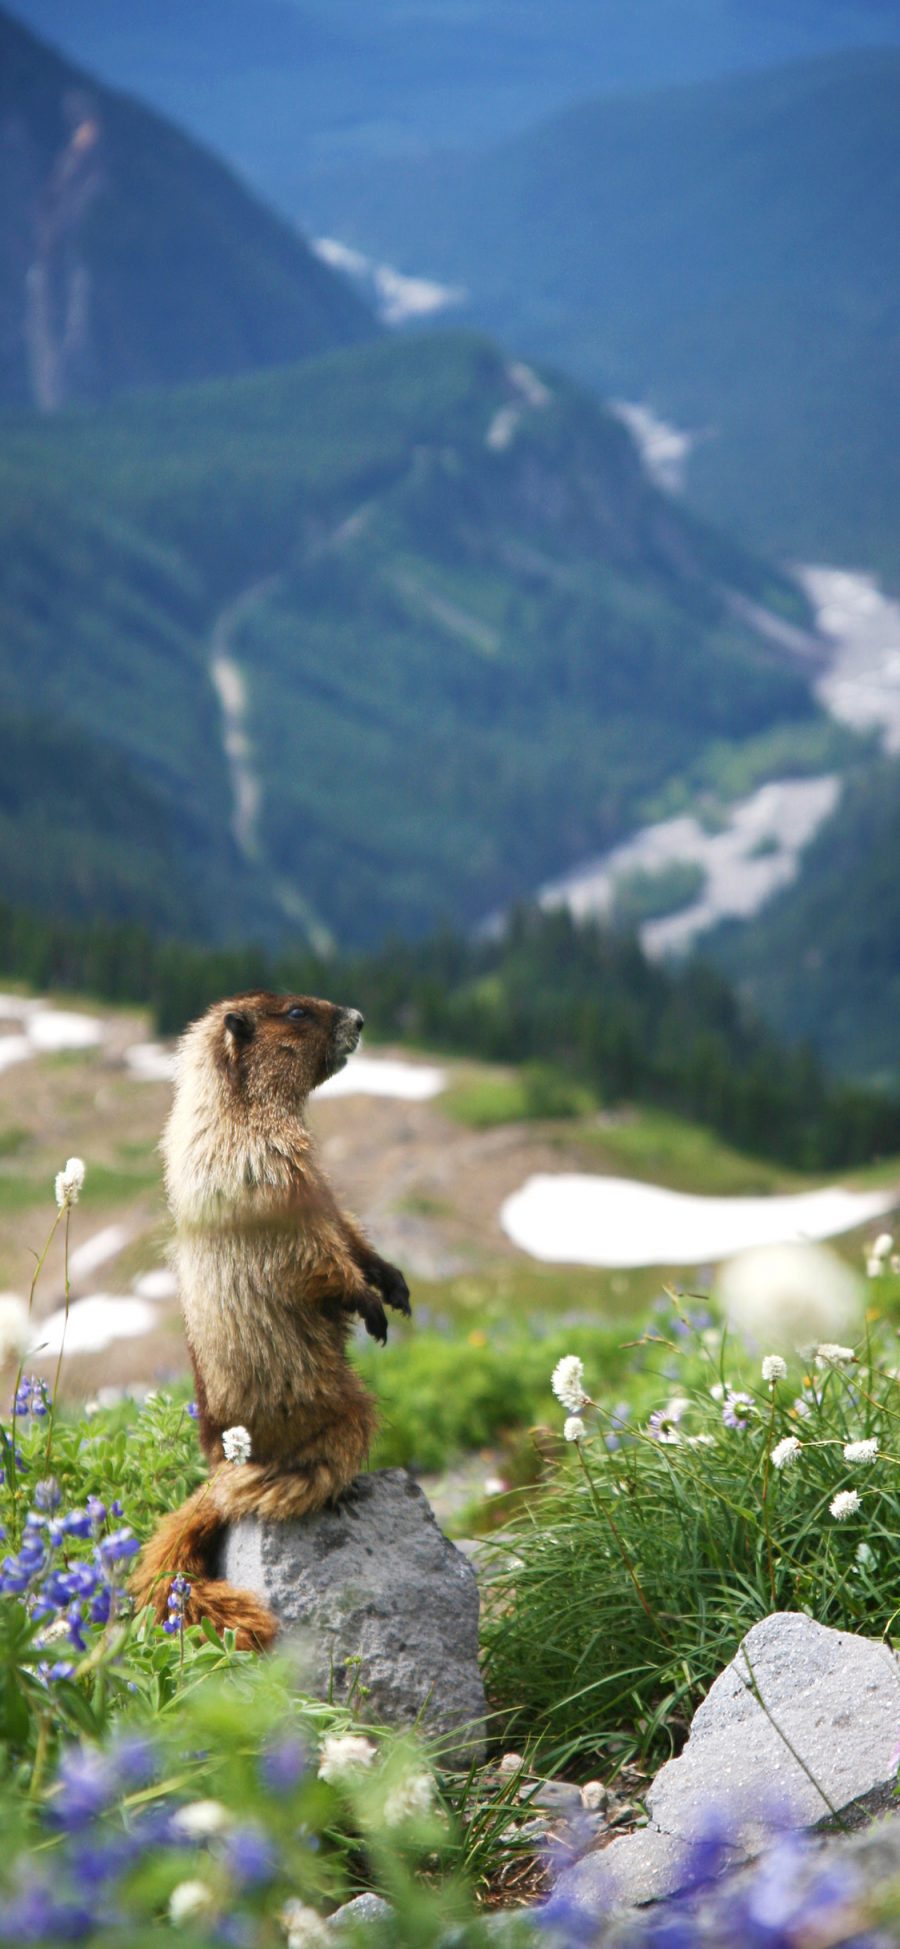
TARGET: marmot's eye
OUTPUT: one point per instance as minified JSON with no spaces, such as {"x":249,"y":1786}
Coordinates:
{"x":297,"y":1014}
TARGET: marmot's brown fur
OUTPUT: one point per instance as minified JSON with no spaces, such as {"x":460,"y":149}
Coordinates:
{"x":271,"y":1273}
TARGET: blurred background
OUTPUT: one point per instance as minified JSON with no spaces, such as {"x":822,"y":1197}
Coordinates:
{"x":449,"y":486}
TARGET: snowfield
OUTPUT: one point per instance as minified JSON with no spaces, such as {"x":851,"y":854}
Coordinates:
{"x":615,"y":1223}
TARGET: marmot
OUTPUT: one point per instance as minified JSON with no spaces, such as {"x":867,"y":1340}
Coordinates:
{"x":271,"y":1273}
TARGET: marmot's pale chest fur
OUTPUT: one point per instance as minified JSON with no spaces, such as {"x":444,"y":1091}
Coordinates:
{"x":271,"y":1274}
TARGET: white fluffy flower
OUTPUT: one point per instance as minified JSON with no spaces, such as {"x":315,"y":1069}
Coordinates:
{"x":574,"y":1429}
{"x":785,"y":1452}
{"x":236,"y":1445}
{"x":774,"y":1368}
{"x":845,"y":1503}
{"x":15,"y":1331}
{"x":829,"y":1355}
{"x":594,"y":1795}
{"x":190,"y":1898}
{"x":200,"y":1819}
{"x":883,"y":1246}
{"x":718,"y":1391}
{"x":303,"y":1927}
{"x":411,"y":1799}
{"x":568,"y":1382}
{"x":510,"y":1763}
{"x":69,"y":1182}
{"x":861,"y":1451}
{"x":874,"y":1267}
{"x":344,"y":1753}
{"x":790,"y":1296}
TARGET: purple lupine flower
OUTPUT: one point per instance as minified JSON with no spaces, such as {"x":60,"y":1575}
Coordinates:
{"x":283,"y":1763}
{"x":48,"y":1494}
{"x":737,"y":1410}
{"x":250,"y":1857}
{"x":78,"y":1522}
{"x":193,"y":1410}
{"x":118,"y":1547}
{"x":96,"y":1511}
{"x":34,"y":1915}
{"x":87,"y":1785}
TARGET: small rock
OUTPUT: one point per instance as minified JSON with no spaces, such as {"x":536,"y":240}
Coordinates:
{"x":594,"y":1796}
{"x":558,"y":1795}
{"x":511,"y":1763}
{"x":375,"y":1582}
{"x":364,"y":1908}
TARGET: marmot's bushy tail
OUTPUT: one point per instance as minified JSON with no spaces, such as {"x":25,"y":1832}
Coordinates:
{"x":183,"y":1544}
{"x":185,"y":1541}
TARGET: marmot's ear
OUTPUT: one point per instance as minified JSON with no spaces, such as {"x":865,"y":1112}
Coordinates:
{"x":240,"y":1027}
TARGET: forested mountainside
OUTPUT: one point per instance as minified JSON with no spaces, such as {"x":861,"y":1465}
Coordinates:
{"x":723,"y":251}
{"x":129,"y":256}
{"x":387,"y":637}
{"x":285,"y":87}
{"x":823,"y":960}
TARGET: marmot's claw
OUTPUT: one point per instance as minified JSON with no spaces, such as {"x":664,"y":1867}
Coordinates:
{"x":373,"y":1316}
{"x":391,"y":1285}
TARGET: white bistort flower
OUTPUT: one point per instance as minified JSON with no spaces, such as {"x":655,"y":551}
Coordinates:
{"x":303,"y":1927}
{"x":790,"y":1296}
{"x":410,"y":1799}
{"x":574,"y":1429}
{"x":69,"y":1183}
{"x":16,"y":1335}
{"x":785,"y":1452}
{"x":774,"y":1368}
{"x":567,"y":1382}
{"x":845,"y":1503}
{"x":861,"y":1451}
{"x":200,"y":1819}
{"x":236,"y":1445}
{"x":344,"y":1753}
{"x":190,"y":1898}
{"x":883,"y":1246}
{"x":829,"y":1355}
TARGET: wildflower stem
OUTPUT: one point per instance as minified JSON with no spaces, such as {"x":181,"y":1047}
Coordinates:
{"x":767,"y":1467}
{"x":40,"y":1756}
{"x":601,"y":1509}
{"x":62,"y":1342}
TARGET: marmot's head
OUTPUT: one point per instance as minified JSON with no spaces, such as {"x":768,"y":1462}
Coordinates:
{"x":278,"y":1048}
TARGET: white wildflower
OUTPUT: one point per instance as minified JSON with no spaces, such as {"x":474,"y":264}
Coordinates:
{"x":574,"y":1429}
{"x":830,"y":1355}
{"x":567,"y":1382}
{"x":410,"y":1799}
{"x":774,"y":1368}
{"x":790,"y":1296}
{"x":874,"y":1267}
{"x":785,"y":1452}
{"x":69,"y":1182}
{"x":895,"y":1261}
{"x":344,"y":1753}
{"x":883,"y":1246}
{"x":510,"y":1763}
{"x":845,"y":1503}
{"x":236,"y":1445}
{"x":200,"y":1819}
{"x":303,"y":1927}
{"x":718,"y":1391}
{"x":594,"y":1796}
{"x":861,"y":1451}
{"x":15,"y":1331}
{"x":190,"y":1898}
{"x":701,"y":1441}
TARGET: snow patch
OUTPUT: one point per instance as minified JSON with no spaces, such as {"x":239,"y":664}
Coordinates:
{"x":97,"y":1251}
{"x":93,"y":1324}
{"x":613,"y":1222}
{"x":861,"y":686}
{"x":158,"y":1285}
{"x":150,"y":1062}
{"x":386,"y":1076}
{"x":664,"y":449}
{"x":396,"y":296}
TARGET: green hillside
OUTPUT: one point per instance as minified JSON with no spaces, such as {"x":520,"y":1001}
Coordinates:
{"x":823,"y":961}
{"x":129,"y":256}
{"x":722,"y":251}
{"x":472,"y":637}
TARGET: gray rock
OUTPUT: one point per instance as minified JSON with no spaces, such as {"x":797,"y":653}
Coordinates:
{"x":375,"y":1582}
{"x":363,"y":1909}
{"x":801,"y":1725}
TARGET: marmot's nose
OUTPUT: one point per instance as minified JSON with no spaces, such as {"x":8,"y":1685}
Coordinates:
{"x":358,"y":1020}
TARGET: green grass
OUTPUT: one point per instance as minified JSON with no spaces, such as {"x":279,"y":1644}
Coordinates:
{"x":662,"y":1149}
{"x":486,"y":1098}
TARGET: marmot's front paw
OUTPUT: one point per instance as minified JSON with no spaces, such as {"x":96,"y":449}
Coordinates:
{"x":391,"y":1284}
{"x":373,"y":1316}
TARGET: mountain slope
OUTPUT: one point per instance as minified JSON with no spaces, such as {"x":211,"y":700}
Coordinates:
{"x":823,"y":961}
{"x":724,"y":251}
{"x":290,"y":87}
{"x":129,"y":256}
{"x":457,"y":634}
